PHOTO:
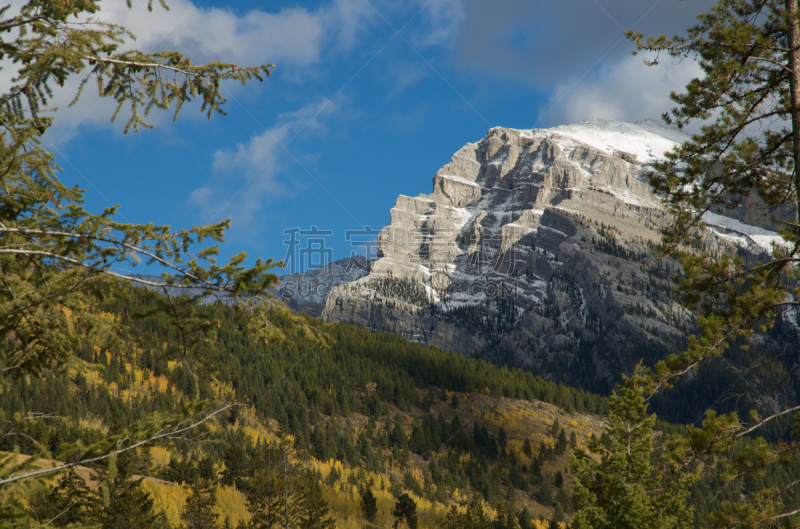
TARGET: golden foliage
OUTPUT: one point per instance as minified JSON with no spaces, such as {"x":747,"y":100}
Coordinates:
{"x":160,"y":455}
{"x":231,"y":505}
{"x":168,"y":497}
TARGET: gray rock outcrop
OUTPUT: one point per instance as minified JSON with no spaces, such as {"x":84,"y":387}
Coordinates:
{"x":535,"y":249}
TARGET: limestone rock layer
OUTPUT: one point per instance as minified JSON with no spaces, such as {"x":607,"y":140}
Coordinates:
{"x":534,"y":249}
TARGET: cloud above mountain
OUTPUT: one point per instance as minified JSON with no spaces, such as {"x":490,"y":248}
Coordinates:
{"x":628,"y":90}
{"x":545,"y":43}
{"x":247,"y":175}
{"x":576,"y":51}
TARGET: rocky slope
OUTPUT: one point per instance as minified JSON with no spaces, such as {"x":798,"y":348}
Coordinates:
{"x":535,"y":250}
{"x":307,"y":291}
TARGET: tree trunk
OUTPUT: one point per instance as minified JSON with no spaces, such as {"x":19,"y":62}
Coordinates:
{"x":793,"y":38}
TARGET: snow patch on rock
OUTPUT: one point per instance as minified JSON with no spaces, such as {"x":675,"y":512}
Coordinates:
{"x":733,"y":229}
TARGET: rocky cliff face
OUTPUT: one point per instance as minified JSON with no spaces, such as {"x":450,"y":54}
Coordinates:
{"x":307,"y":292}
{"x":535,"y":250}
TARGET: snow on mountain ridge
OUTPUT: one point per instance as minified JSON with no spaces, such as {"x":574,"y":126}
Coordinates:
{"x":648,"y":140}
{"x":535,"y":247}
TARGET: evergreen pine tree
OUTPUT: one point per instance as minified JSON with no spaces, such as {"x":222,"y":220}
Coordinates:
{"x":283,"y":494}
{"x":126,"y":504}
{"x":623,"y":491}
{"x":70,"y":502}
{"x":561,"y":443}
{"x":527,"y":449}
{"x":746,"y":155}
{"x":557,"y":519}
{"x":475,"y":517}
{"x":264,"y":493}
{"x":206,"y":470}
{"x":405,"y":510}
{"x":198,"y":512}
{"x":129,"y":505}
{"x":545,"y":494}
{"x":555,"y":428}
{"x":312,"y":509}
{"x":369,"y":504}
{"x":451,"y":520}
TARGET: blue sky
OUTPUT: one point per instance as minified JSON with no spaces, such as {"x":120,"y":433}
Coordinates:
{"x":369,"y":98}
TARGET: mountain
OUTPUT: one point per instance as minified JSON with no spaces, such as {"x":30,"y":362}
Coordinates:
{"x":307,"y":291}
{"x":536,"y":249}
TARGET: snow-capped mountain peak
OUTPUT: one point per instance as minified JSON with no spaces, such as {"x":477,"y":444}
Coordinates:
{"x":648,"y":140}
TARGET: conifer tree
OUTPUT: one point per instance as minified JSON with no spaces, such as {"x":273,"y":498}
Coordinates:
{"x":369,"y":504}
{"x":264,"y":492}
{"x":312,"y":508}
{"x":474,"y":517}
{"x":623,"y":491}
{"x":746,"y":155}
{"x":557,"y":519}
{"x":126,"y":505}
{"x":555,"y":428}
{"x":198,"y":512}
{"x":452,"y":519}
{"x":282,"y":493}
{"x":405,"y":510}
{"x":69,"y":502}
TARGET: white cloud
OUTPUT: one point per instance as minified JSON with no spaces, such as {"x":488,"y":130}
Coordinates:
{"x":246,"y":176}
{"x":293,"y":36}
{"x":628,"y":90}
{"x":542,"y":42}
{"x":443,"y":19}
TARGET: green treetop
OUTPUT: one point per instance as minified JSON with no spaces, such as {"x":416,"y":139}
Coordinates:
{"x":623,"y":490}
{"x":746,"y":156}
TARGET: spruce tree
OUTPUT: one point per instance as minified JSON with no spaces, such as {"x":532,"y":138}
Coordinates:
{"x":264,"y":492}
{"x":282,"y":493}
{"x":312,"y":508}
{"x":405,"y":510}
{"x":557,"y":519}
{"x":69,"y":502}
{"x":369,"y":504}
{"x":623,"y":490}
{"x":198,"y":512}
{"x":451,"y":520}
{"x":126,"y":505}
{"x":476,"y":517}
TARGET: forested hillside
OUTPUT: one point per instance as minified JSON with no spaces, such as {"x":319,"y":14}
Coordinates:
{"x":356,"y":410}
{"x":359,"y":425}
